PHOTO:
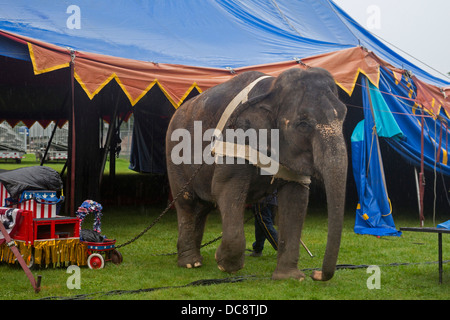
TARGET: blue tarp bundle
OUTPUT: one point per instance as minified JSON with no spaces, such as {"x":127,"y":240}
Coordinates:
{"x":444,"y":225}
{"x":374,"y":211}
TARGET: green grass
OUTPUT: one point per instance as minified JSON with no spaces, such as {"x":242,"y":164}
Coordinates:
{"x":143,"y":268}
{"x":30,"y":160}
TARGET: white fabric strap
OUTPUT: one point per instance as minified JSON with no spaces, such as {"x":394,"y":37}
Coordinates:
{"x":220,"y":148}
{"x":260,"y":160}
{"x":242,"y":97}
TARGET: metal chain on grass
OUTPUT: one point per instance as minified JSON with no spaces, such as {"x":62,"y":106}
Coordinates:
{"x":202,"y":246}
{"x":208,"y":282}
{"x":165,"y":210}
{"x":202,"y":282}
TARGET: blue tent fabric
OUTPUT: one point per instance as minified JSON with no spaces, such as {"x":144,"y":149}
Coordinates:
{"x":202,"y":33}
{"x":408,"y":117}
{"x":444,"y":225}
{"x":374,"y":212}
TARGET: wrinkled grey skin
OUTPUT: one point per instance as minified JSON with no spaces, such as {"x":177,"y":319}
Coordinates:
{"x":304,"y":106}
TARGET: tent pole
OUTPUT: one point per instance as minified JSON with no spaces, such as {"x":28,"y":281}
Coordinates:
{"x":112,"y":153}
{"x":421,"y":175}
{"x":417,"y":189}
{"x":73,"y":140}
{"x":111,"y":131}
{"x":49,"y":144}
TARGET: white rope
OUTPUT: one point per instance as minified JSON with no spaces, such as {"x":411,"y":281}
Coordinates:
{"x":255,"y":157}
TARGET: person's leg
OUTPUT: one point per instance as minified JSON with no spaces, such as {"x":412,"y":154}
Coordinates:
{"x":260,"y":237}
{"x":264,"y":217}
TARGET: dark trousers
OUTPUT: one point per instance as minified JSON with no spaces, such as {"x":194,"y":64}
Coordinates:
{"x":264,"y":229}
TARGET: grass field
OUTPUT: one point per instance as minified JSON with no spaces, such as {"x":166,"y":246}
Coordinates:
{"x":30,"y":160}
{"x":407,"y":265}
{"x":144,"y":274}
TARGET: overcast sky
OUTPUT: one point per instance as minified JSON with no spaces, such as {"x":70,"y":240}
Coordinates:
{"x":418,"y":27}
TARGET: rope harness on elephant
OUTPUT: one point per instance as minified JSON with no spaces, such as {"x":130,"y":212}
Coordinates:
{"x":221,"y":148}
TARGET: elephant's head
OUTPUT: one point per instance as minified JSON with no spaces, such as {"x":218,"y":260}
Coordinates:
{"x":304,"y":106}
{"x":310,"y":119}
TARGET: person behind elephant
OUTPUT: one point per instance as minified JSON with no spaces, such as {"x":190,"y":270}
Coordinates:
{"x":264,"y":224}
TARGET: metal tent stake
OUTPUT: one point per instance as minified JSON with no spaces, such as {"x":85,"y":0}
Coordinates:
{"x":306,"y":248}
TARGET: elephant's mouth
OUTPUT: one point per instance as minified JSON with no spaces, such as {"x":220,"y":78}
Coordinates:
{"x":288,"y":174}
{"x":301,"y":167}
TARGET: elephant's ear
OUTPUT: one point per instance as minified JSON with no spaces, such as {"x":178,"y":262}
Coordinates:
{"x":259,"y":103}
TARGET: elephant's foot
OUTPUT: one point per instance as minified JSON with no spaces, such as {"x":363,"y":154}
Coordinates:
{"x":317,"y":276}
{"x":190,"y":261}
{"x":320,"y":276}
{"x":196,"y":265}
{"x":288,"y":274}
{"x":229,"y":264}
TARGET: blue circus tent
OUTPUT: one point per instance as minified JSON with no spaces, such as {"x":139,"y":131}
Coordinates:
{"x":147,"y":57}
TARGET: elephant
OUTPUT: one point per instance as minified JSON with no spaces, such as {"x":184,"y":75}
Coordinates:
{"x":302,"y":108}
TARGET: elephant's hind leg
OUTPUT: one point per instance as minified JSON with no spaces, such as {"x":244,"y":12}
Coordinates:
{"x":191,"y":225}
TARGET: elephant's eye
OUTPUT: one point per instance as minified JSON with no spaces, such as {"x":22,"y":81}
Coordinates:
{"x":303,"y":126}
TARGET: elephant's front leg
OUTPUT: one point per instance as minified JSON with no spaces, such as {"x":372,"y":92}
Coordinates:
{"x":292,"y":205}
{"x":231,"y":203}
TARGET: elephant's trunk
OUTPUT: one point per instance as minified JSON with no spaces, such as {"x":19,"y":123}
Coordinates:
{"x":331,"y":161}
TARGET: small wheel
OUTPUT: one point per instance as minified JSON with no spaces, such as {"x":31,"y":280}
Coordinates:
{"x":30,"y":261}
{"x":95,"y":261}
{"x":116,"y":256}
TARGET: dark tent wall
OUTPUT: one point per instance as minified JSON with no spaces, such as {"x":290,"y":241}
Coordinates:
{"x":151,"y":118}
{"x":44,"y":97}
{"x":152,"y":115}
{"x":93,"y":147}
{"x":86,"y":153}
{"x":48,"y":97}
{"x":401,"y":182}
